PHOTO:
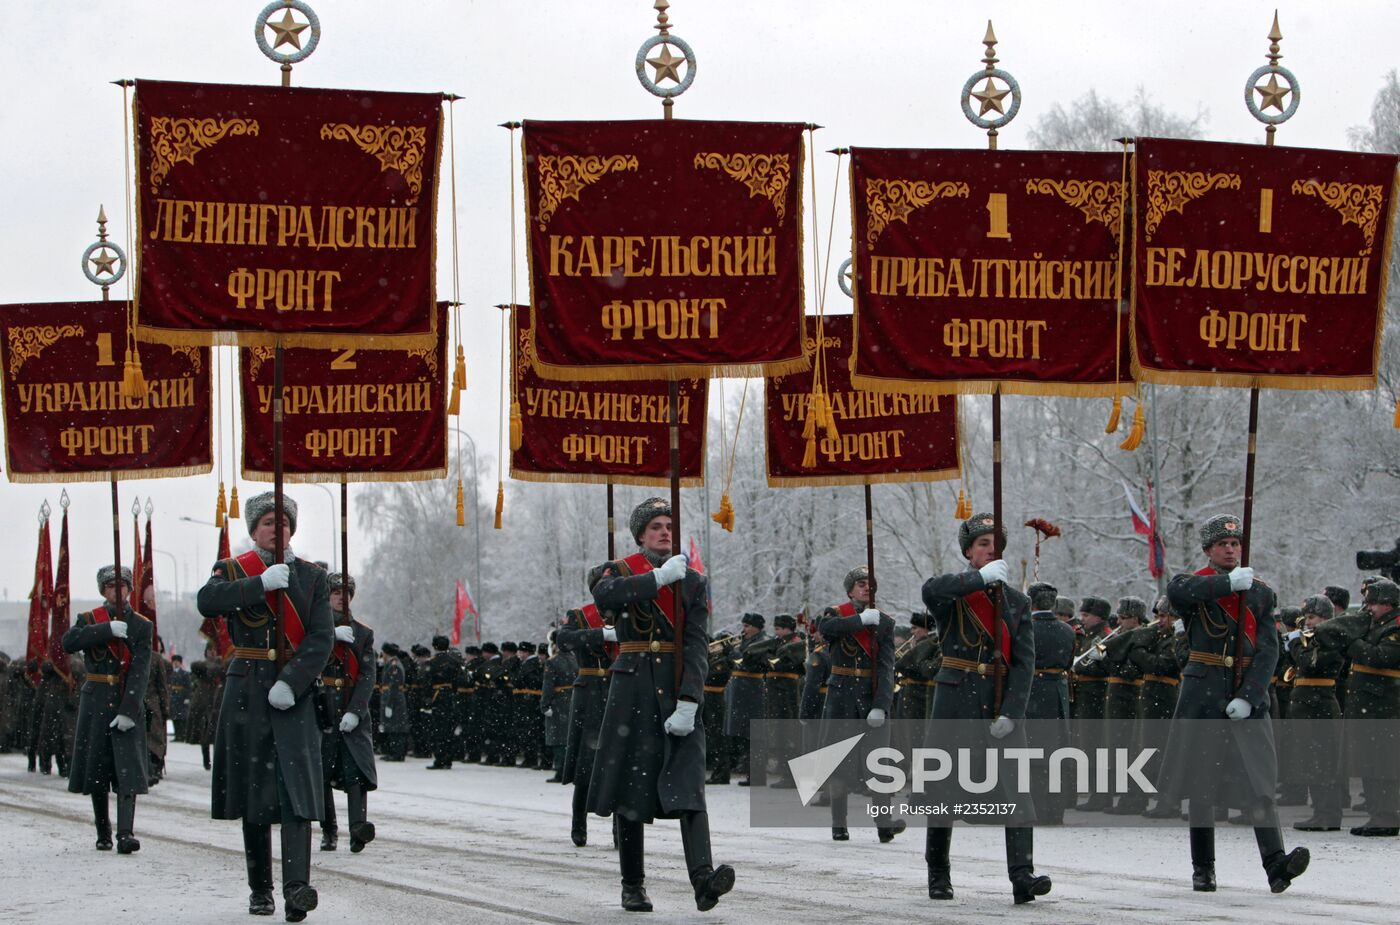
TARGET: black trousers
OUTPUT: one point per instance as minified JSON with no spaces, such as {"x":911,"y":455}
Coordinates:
{"x":631,"y":846}
{"x":1266,"y":832}
{"x":126,"y":813}
{"x":296,"y":848}
{"x":1020,"y":849}
{"x":357,"y":802}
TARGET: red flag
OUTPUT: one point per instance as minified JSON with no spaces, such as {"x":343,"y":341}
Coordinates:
{"x":694,"y":556}
{"x":59,"y":615}
{"x":1156,"y":549}
{"x":138,"y":565}
{"x":461,"y":606}
{"x":214,"y":630}
{"x":148,"y":580}
{"x":38,"y":642}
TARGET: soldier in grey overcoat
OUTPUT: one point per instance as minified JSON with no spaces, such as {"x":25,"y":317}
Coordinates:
{"x":1048,"y":702}
{"x":393,"y":704}
{"x":347,"y":749}
{"x":267,"y":749}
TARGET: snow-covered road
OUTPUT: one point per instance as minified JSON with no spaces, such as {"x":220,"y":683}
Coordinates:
{"x":483,"y":844}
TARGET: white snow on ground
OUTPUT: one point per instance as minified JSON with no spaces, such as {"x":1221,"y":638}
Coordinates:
{"x":482,"y":844}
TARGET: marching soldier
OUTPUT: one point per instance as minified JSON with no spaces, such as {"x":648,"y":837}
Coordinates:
{"x":179,"y":695}
{"x":915,"y":667}
{"x":815,"y":685}
{"x":491,"y":694}
{"x":582,"y":635}
{"x":506,"y":724}
{"x":985,"y":631}
{"x":1124,"y":682}
{"x":783,"y":691}
{"x":1373,"y":693}
{"x":559,"y":674}
{"x":267,"y":755}
{"x":468,"y":720}
{"x":1090,"y":688}
{"x":716,"y":680}
{"x":444,"y":676}
{"x":206,"y":690}
{"x":528,"y":718}
{"x":50,"y":703}
{"x":347,"y":750}
{"x":861,"y":687}
{"x":1159,"y":657}
{"x":1229,"y":625}
{"x":651,"y":756}
{"x":1048,"y":701}
{"x":744,"y":697}
{"x":109,"y":747}
{"x":1315,"y":748}
{"x":393,"y":703}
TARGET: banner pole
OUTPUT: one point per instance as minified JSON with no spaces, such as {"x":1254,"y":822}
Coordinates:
{"x":345,"y":543}
{"x":612,"y":528}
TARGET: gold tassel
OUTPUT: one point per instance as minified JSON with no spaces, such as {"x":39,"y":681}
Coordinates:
{"x":220,"y":508}
{"x":809,"y":425}
{"x":461,"y":506}
{"x":1114,"y":414}
{"x":138,"y":379}
{"x":809,"y":452}
{"x":454,"y":402}
{"x":1139,"y":427}
{"x":517,"y":427}
{"x":725,"y":515}
{"x":233,"y":504}
{"x":964,"y":508}
{"x":500,"y":502}
{"x":459,"y":372}
{"x":829,"y":418}
{"x":1396,"y":422}
{"x":127,"y":389}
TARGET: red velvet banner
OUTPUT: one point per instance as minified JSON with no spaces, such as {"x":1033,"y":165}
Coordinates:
{"x":65,"y":417}
{"x":600,"y":431}
{"x":986,"y":270}
{"x":353,"y":414}
{"x":663,"y":249}
{"x":268,"y":212}
{"x":881,"y":436}
{"x":1260,"y":266}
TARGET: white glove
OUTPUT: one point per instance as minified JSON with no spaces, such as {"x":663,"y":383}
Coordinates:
{"x":281,"y":696}
{"x":994,"y":571}
{"x":875,"y":718}
{"x":122,"y":723}
{"x":1001,"y":727}
{"x":548,"y":713}
{"x":1179,"y":626}
{"x":348,"y":722}
{"x":345,"y":634}
{"x":870,"y":616}
{"x":1241,"y":578}
{"x":1238,"y":708}
{"x":610,"y":634}
{"x":671,"y":571}
{"x":118,"y":629}
{"x":1294,"y":635}
{"x":276,"y":577}
{"x":388,"y":712}
{"x":682,"y":722}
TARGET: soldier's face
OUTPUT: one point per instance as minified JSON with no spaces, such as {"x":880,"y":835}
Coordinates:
{"x":751,"y":630}
{"x":657,"y":536}
{"x":264,"y":533}
{"x":860,"y":591}
{"x":338,"y":601}
{"x":982,"y":550}
{"x":1224,"y":553}
{"x":1090,"y":621}
{"x":109,"y":592}
{"x":1128,"y":623}
{"x":1380,"y":610}
{"x":1313,"y":620}
{"x":919,"y":632}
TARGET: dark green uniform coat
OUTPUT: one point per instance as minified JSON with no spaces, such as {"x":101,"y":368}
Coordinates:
{"x":347,"y":758}
{"x":590,"y":694}
{"x":743,"y":698}
{"x":103,"y":758}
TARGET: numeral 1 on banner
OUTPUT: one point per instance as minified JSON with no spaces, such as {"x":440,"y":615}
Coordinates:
{"x":1266,"y":211}
{"x":104,"y":349}
{"x":996,"y":216}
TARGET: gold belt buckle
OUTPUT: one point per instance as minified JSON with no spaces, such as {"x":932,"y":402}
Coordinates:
{"x":982,"y":669}
{"x":272,"y":655}
{"x":1229,"y":661}
{"x":655,"y":646}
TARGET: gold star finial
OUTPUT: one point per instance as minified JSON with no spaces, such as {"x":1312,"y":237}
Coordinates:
{"x":667,"y":65}
{"x":991,"y":98}
{"x":1271,"y":94}
{"x":103,"y":261}
{"x":288,"y":31}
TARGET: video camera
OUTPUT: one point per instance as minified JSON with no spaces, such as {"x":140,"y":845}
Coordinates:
{"x":1385,"y":561}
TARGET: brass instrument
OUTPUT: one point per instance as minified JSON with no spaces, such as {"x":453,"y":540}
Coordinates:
{"x":904,"y":647}
{"x":728,"y":640}
{"x":1098,"y":650}
{"x":1306,"y":638}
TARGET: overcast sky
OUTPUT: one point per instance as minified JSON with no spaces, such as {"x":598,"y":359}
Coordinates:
{"x":874,"y":73}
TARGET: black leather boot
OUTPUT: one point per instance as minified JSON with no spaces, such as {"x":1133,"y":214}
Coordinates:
{"x":578,"y":830}
{"x":329,"y":839}
{"x":257,"y":854}
{"x":1203,"y":859}
{"x":888,"y":833}
{"x":361,"y":834}
{"x":126,"y":821}
{"x":260,"y":903}
{"x":1284,"y":868}
{"x":631,"y":859}
{"x":1025,"y":887}
{"x":101,"y":816}
{"x":634,"y":897}
{"x":937,"y":843}
{"x":839,"y":833}
{"x":710,"y":885}
{"x":298,"y":896}
{"x":1020,"y":866}
{"x":299,"y":899}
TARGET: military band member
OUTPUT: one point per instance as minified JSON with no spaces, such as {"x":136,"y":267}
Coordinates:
{"x":179,"y":695}
{"x":783,"y":692}
{"x":984,"y":629}
{"x":267,"y":754}
{"x":815,"y":685}
{"x":206,"y":694}
{"x":393,"y":703}
{"x":109,"y":746}
{"x":420,"y":693}
{"x":1340,"y":598}
{"x":444,"y":677}
{"x":1065,"y":612}
{"x":1373,"y":693}
{"x":916,"y":664}
{"x":1159,"y":654}
{"x":743,"y":698}
{"x":468,"y":706}
{"x":860,"y":642}
{"x":1124,"y":682}
{"x":718,"y":757}
{"x":1048,"y":702}
{"x":1314,"y":751}
{"x":1090,"y":687}
{"x":1229,"y":625}
{"x":347,"y":751}
{"x":526,"y":718}
{"x":651,"y":757}
{"x":557,"y":692}
{"x":492,"y":699}
{"x":582,"y":634}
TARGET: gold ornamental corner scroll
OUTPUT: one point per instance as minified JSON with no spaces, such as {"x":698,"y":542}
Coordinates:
{"x":564,"y":176}
{"x":1099,"y":200}
{"x":28,"y":341}
{"x":178,"y":140}
{"x":1358,"y":203}
{"x":1171,"y":190}
{"x":396,"y":147}
{"x":766,"y":175}
{"x":890,"y":201}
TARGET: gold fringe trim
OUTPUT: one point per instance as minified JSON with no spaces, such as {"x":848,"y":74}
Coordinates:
{"x":570,"y":478}
{"x":1114,"y":415}
{"x":638,"y":372}
{"x":123,"y":475}
{"x":306,"y":478}
{"x":883,"y":478}
{"x":342,"y":341}
{"x":882,"y":385}
{"x":1251,"y":381}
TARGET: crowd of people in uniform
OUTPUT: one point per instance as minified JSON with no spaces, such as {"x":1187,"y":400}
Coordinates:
{"x":637,"y":705}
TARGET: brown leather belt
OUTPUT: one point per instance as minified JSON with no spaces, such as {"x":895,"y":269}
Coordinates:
{"x":594,"y":672}
{"x":1316,"y":682}
{"x":845,"y":672}
{"x":1079,"y":679}
{"x":964,"y":664}
{"x":105,"y":678}
{"x":1049,"y":672}
{"x":747,"y":674}
{"x":1225,"y":661}
{"x":714,"y":688}
{"x":333,"y":682}
{"x":1137,"y":683}
{"x":257,"y":655}
{"x":788,"y":675}
{"x":1383,"y":672}
{"x":443,"y":686}
{"x":655,"y":645}
{"x":916,"y":682}
{"x":1161,"y":679}
{"x":822,"y":690}
{"x":466,"y":690}
{"x":526,"y":690}
{"x":563,"y":687}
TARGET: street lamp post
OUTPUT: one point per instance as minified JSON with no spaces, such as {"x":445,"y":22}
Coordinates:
{"x":476,"y":521}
